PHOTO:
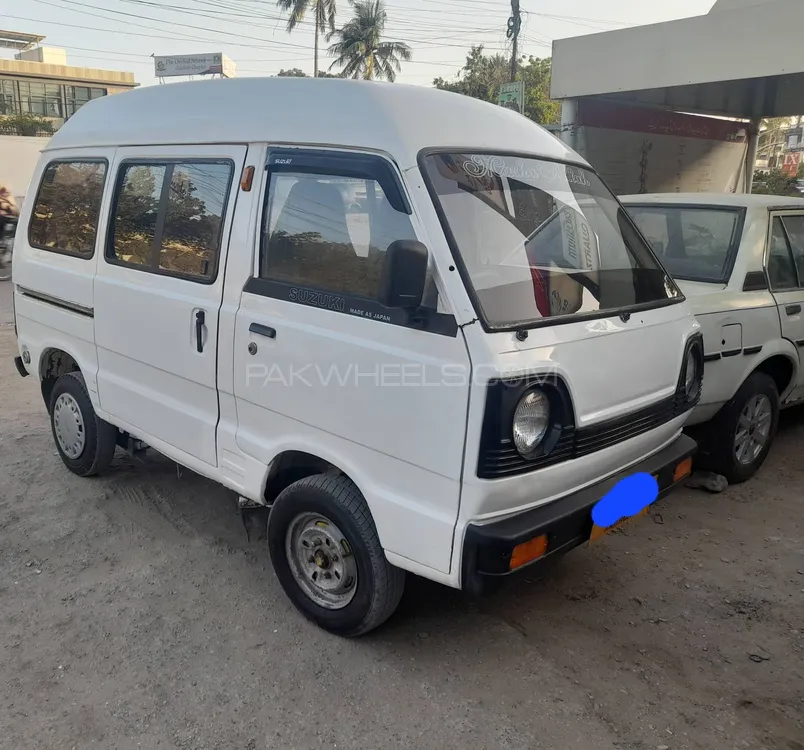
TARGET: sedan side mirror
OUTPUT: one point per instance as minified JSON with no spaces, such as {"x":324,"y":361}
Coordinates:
{"x":404,"y":274}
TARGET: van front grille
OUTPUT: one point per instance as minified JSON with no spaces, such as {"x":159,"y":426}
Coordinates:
{"x":505,"y":460}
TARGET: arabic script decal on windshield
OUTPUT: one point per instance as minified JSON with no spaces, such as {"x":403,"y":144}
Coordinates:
{"x":482,"y":165}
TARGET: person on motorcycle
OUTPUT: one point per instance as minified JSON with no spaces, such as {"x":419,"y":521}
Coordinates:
{"x":8,"y":207}
{"x":8,"y":217}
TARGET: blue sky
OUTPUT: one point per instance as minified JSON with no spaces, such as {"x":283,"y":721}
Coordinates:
{"x":122,"y":34}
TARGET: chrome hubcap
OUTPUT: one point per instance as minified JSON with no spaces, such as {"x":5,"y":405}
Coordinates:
{"x":68,"y":424}
{"x":321,"y":560}
{"x":753,"y":428}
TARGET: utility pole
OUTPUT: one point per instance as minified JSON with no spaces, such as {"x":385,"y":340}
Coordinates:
{"x":514,"y":22}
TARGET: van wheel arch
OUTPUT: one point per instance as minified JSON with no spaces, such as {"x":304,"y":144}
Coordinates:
{"x":52,"y":365}
{"x":291,"y":466}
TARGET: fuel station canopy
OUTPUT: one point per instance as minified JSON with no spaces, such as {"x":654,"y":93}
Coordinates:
{"x":744,"y":59}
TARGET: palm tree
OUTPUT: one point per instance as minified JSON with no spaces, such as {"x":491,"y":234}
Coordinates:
{"x":360,"y":50}
{"x":324,"y":11}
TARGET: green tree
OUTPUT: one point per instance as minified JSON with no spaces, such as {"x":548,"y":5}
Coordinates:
{"x":25,"y":123}
{"x":324,"y":11}
{"x":360,"y":50}
{"x":482,"y":76}
{"x":299,"y":73}
{"x":539,"y":107}
{"x":775,"y":182}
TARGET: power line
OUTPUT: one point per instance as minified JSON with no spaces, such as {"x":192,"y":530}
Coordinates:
{"x":190,"y":26}
{"x":246,"y":60}
{"x":159,"y":20}
{"x":408,"y":28}
{"x":581,"y":18}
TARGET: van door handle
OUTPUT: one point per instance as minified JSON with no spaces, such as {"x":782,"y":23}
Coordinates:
{"x":200,"y":317}
{"x":263,"y":330}
{"x":793,"y":309}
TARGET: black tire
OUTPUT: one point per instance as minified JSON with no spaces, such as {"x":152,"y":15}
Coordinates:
{"x":379,"y":584}
{"x":719,"y":449}
{"x":100,"y":438}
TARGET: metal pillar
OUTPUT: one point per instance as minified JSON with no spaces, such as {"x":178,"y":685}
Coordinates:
{"x":751,"y":154}
{"x":569,"y":127}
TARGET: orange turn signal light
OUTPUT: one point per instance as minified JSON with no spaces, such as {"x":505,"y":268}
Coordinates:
{"x":528,"y":551}
{"x":247,"y":179}
{"x":684,"y":469}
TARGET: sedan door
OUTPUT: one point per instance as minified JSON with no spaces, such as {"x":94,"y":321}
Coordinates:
{"x":785,"y":266}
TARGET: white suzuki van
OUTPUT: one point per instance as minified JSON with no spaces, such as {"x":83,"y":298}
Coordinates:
{"x":415,"y":326}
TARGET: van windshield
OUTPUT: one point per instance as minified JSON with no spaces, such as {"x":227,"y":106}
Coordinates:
{"x":540,"y":240}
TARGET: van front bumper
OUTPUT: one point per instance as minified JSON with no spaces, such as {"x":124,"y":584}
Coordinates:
{"x":566,"y":522}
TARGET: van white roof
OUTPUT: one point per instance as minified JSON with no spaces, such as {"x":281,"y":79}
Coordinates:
{"x":397,"y":119}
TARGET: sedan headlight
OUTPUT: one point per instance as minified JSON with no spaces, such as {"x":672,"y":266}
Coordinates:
{"x":692,"y":375}
{"x":531,"y":421}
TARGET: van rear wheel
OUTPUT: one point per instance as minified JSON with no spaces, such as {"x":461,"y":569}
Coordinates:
{"x":328,"y":558}
{"x":84,"y":441}
{"x":741,"y":435}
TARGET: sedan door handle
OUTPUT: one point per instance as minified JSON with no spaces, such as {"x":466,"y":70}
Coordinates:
{"x":793,"y":309}
{"x":262,"y":330}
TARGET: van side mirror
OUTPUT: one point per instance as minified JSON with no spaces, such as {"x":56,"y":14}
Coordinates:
{"x":404,"y":274}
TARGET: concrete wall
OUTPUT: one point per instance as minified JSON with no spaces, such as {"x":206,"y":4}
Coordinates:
{"x":18,"y":157}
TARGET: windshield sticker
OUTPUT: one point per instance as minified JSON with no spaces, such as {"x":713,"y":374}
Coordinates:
{"x":481,"y":165}
{"x":488,"y":186}
{"x":580,"y":242}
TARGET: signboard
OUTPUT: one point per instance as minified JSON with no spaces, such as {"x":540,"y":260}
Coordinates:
{"x":792,"y":160}
{"x":641,"y":150}
{"x":194,"y":65}
{"x":512,"y":96}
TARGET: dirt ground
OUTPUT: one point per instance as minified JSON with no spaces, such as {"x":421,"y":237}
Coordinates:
{"x":134,"y":613}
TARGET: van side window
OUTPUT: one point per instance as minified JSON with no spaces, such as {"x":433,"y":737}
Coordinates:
{"x":136,"y":211}
{"x":329,"y":232}
{"x":168,"y":217}
{"x":65,"y":215}
{"x":781,"y":271}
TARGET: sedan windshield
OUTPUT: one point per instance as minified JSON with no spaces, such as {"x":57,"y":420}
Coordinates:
{"x":539,"y":240}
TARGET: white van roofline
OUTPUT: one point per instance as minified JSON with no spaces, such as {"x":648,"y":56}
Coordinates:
{"x":394,"y":118}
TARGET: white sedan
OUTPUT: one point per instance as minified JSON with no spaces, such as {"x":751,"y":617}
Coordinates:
{"x":739,"y":259}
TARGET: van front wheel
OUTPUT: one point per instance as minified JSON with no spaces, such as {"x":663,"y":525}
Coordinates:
{"x":84,"y":441}
{"x":328,"y":557}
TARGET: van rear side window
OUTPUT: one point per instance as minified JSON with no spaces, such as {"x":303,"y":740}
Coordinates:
{"x":65,"y":215}
{"x":168,"y":217}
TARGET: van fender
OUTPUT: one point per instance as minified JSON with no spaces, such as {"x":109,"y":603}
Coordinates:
{"x":396,"y":492}
{"x":55,"y":357}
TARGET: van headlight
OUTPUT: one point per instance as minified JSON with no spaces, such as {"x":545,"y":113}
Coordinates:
{"x":531,"y":421}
